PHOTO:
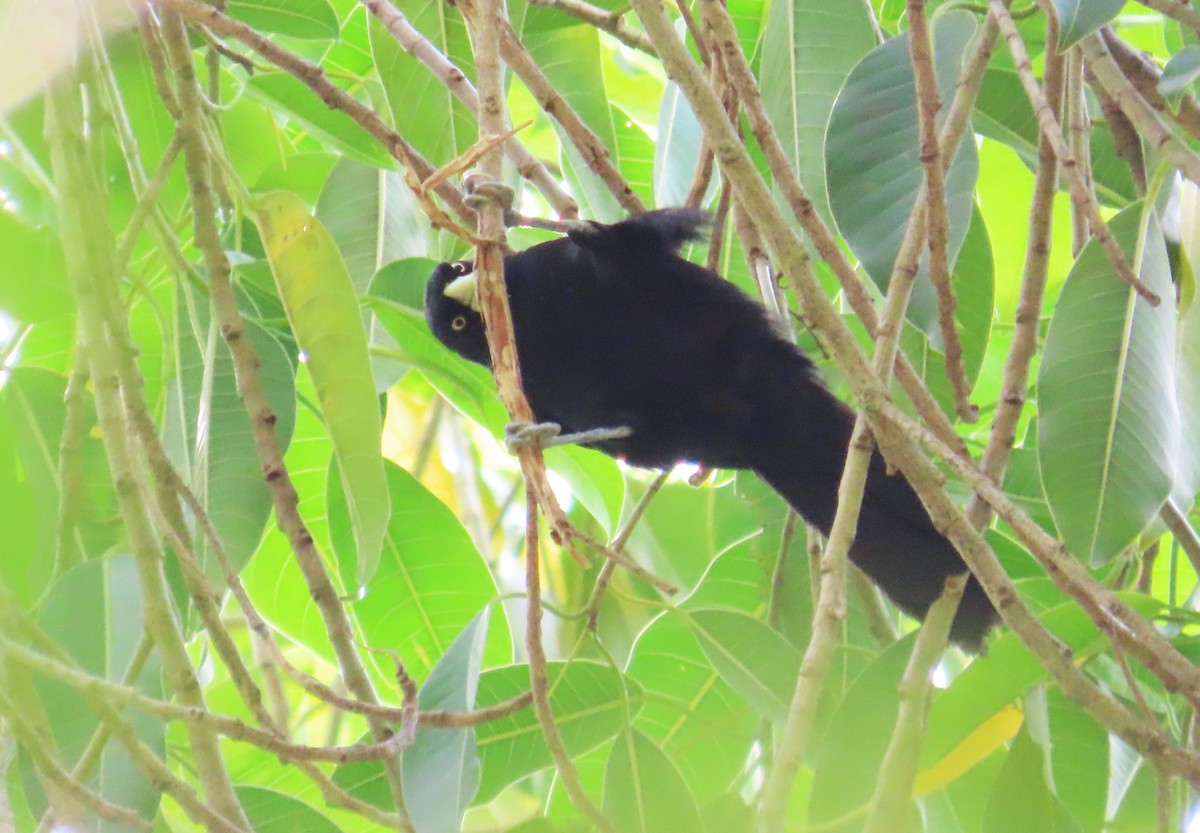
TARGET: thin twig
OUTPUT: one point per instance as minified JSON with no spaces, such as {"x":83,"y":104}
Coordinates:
{"x":1033,"y":285}
{"x":589,"y":145}
{"x":1048,"y":123}
{"x":928,"y":104}
{"x":617,"y":545}
{"x":313,"y":77}
{"x":1079,"y":126}
{"x":602,"y":19}
{"x":417,"y":45}
{"x":539,"y":683}
{"x":1145,"y":73}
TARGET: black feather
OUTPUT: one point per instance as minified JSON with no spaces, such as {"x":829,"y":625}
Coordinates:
{"x":614,"y":329}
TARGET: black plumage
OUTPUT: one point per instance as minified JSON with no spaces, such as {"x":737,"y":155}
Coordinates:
{"x":615,"y":329}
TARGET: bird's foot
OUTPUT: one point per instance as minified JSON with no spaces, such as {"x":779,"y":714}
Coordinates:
{"x":482,"y":191}
{"x":518,"y":435}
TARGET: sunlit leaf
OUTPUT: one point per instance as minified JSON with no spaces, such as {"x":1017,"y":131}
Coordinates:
{"x":323,"y":309}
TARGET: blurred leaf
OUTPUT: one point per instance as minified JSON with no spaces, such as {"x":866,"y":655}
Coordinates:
{"x":271,"y":811}
{"x":372,"y":216}
{"x":431,"y":118}
{"x":294,"y":18}
{"x":856,"y":738}
{"x":35,"y":255}
{"x":290,"y":97}
{"x":94,"y":613}
{"x":644,"y":791}
{"x":677,"y":151}
{"x":1079,"y":18}
{"x":1187,"y":352}
{"x":1021,"y":799}
{"x":1179,"y":73}
{"x":1077,"y":749}
{"x":697,"y":718}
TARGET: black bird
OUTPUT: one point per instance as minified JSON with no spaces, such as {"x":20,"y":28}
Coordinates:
{"x":614,"y":329}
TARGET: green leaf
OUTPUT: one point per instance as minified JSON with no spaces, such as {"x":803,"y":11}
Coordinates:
{"x":644,"y":791}
{"x":591,"y":702}
{"x":1108,"y":435}
{"x":294,"y":18}
{"x":677,"y":151}
{"x":697,"y":717}
{"x":636,"y":150}
{"x":595,"y":480}
{"x":289,"y":96}
{"x":302,"y":173}
{"x":1179,"y":73}
{"x":466,"y":386}
{"x":440,"y":771}
{"x":873,"y":156}
{"x":808,"y":50}
{"x":431,"y":581}
{"x":37,"y":255}
{"x":431,"y":118}
{"x":32,"y":414}
{"x":1078,"y":750}
{"x":1005,"y":673}
{"x":756,"y":661}
{"x":322,"y":308}
{"x":94,"y":612}
{"x":855,"y":738}
{"x":272,"y":811}
{"x":209,"y":436}
{"x":403,"y":282}
{"x":1079,"y":18}
{"x":373,"y":217}
{"x":1021,"y":798}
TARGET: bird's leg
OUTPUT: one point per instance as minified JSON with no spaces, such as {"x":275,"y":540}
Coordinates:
{"x":518,"y":435}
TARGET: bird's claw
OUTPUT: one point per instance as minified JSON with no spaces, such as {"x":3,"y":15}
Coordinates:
{"x":519,"y":435}
{"x":482,"y":191}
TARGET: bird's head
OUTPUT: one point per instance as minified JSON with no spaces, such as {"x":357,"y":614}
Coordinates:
{"x":452,"y":313}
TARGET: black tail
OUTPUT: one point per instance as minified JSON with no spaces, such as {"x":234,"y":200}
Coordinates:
{"x":896,"y":544}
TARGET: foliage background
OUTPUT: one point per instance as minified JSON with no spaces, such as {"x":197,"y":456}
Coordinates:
{"x":144,"y":684}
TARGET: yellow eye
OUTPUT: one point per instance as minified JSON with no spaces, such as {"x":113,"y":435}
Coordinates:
{"x":459,"y":323}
